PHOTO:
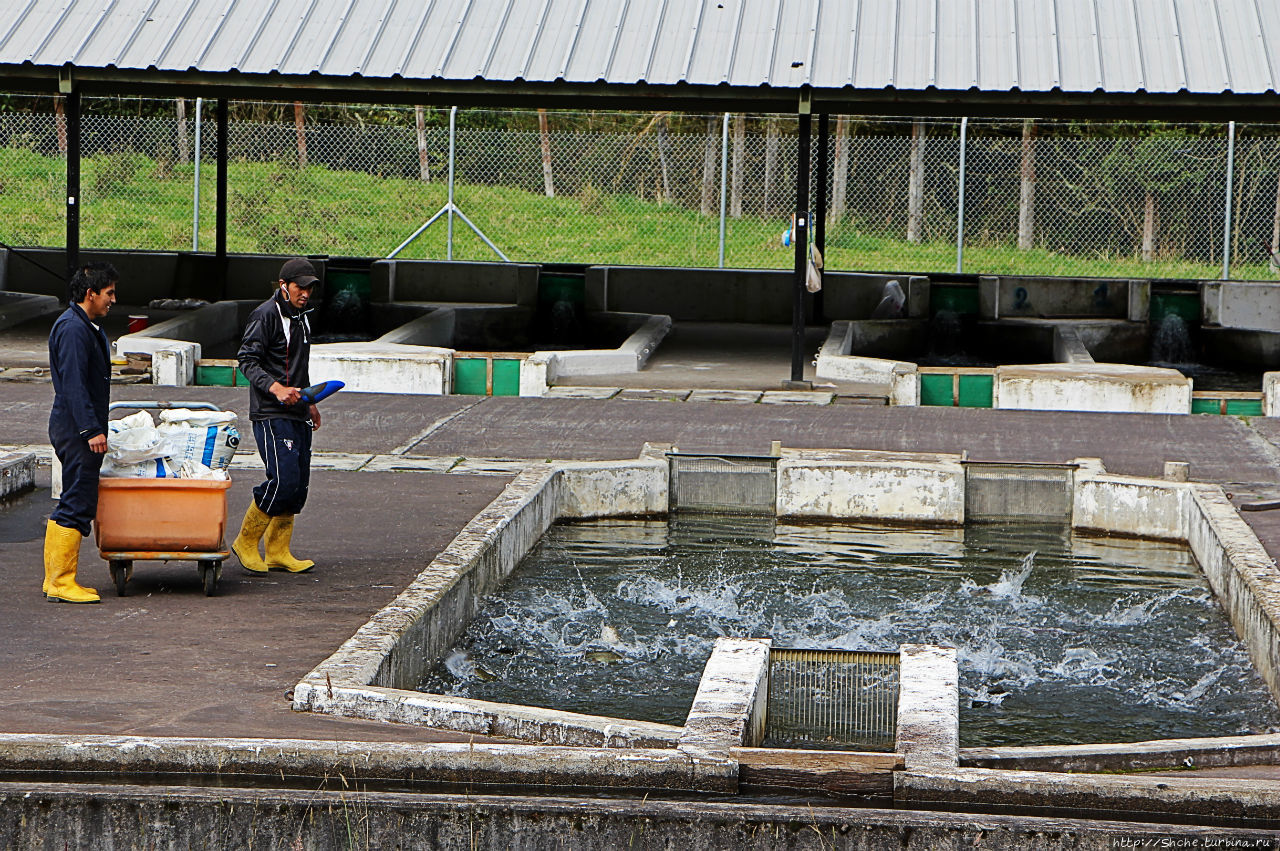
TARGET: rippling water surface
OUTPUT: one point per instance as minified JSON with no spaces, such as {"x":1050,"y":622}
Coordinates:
{"x":1060,"y":638}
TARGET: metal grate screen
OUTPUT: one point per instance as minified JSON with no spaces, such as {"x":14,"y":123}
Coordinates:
{"x":723,"y":484}
{"x":832,"y":698}
{"x":997,"y":491}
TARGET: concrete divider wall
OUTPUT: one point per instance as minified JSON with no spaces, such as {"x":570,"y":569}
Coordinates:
{"x":384,"y":367}
{"x":889,"y":489}
{"x":1243,"y":577}
{"x":1001,"y":296}
{"x":16,"y":308}
{"x":899,"y":380}
{"x":454,"y":281}
{"x":739,"y":295}
{"x":1134,"y":507}
{"x":1248,"y":305}
{"x":1116,"y":388}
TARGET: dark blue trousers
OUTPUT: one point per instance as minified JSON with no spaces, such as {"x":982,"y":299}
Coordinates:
{"x":285,"y":447}
{"x":78,"y":504}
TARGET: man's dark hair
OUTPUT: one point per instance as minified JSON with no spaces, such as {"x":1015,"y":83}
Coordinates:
{"x":91,"y":276}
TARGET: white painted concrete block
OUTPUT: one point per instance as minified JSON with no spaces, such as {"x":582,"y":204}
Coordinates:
{"x":1271,"y":394}
{"x":728,"y":710}
{"x":384,"y":367}
{"x":614,"y":489}
{"x":872,"y":490}
{"x":1098,"y":387}
{"x":175,"y":365}
{"x":537,"y":373}
{"x":929,"y":707}
{"x":1123,"y":505}
{"x":138,"y":344}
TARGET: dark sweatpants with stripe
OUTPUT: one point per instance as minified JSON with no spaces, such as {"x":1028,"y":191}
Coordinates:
{"x":285,"y":447}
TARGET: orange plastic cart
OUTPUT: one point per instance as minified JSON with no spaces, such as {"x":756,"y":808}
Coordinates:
{"x":162,"y":519}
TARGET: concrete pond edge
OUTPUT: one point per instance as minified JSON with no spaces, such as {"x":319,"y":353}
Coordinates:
{"x":366,"y":677}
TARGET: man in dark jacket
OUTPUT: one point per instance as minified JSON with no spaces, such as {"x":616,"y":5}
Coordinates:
{"x":80,"y":364}
{"x":274,"y":355}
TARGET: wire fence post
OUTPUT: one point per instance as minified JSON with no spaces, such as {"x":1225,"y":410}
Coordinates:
{"x":724,"y":179}
{"x":964,"y":141}
{"x":195,"y":199}
{"x":453,"y":118}
{"x":1226,"y":224}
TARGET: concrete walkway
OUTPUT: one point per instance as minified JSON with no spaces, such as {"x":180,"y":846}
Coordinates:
{"x":167,"y":660}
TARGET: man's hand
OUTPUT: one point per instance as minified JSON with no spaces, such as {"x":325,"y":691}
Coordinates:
{"x":315,"y":418}
{"x":98,"y":444}
{"x":286,"y":395}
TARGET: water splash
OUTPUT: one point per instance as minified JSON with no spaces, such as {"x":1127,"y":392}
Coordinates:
{"x":1171,"y":343}
{"x":1117,"y":642}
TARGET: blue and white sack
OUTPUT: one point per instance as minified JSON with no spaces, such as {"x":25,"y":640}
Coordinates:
{"x":208,"y":438}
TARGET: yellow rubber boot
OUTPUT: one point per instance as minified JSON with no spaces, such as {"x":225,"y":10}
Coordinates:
{"x":279,"y":534}
{"x":61,"y":557}
{"x":245,"y":546}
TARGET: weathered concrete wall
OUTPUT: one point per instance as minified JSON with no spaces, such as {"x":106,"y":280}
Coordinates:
{"x":371,"y":673}
{"x":728,"y":710}
{"x":1249,"y":305}
{"x":1100,"y":387}
{"x":614,"y":489}
{"x":43,"y":816}
{"x":1143,"y":798}
{"x":1001,"y":296}
{"x":1271,"y":394}
{"x":1135,"y":507}
{"x":233,"y":760}
{"x":928,"y":707}
{"x":16,"y":308}
{"x":1131,"y":756}
{"x":740,"y":295}
{"x":17,"y":473}
{"x":210,"y":325}
{"x":454,"y":281}
{"x":384,"y":367}
{"x":1243,"y":577}
{"x":885,"y":486}
{"x":541,"y":370}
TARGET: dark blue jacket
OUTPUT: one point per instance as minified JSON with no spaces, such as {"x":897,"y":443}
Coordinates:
{"x":80,"y":362}
{"x":268,"y":354}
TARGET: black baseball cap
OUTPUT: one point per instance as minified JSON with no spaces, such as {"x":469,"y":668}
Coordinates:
{"x":300,"y":271}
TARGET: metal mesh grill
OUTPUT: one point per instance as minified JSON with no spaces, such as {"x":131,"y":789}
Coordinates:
{"x":998,"y":491}
{"x":832,"y":698}
{"x":723,"y":484}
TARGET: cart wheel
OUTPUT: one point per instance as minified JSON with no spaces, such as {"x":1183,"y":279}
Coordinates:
{"x":121,"y":570}
{"x":210,"y":571}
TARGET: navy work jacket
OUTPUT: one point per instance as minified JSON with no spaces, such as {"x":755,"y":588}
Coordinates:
{"x":80,"y":363}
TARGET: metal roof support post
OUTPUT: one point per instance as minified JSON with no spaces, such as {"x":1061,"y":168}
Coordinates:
{"x":195,"y":189}
{"x":964,"y":148}
{"x":724,"y":177}
{"x":220,"y":219}
{"x":800,"y":240}
{"x":820,"y":210}
{"x":453,"y":118}
{"x":73,"y":178}
{"x":1226,"y":224}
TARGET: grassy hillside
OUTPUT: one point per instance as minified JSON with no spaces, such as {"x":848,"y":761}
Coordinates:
{"x":130,"y":201}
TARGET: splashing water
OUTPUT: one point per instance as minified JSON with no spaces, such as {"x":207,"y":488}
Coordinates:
{"x":1060,"y":639}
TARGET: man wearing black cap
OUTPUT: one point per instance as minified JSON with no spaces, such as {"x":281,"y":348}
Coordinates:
{"x":274,"y":355}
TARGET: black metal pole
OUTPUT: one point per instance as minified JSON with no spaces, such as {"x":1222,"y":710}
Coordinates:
{"x":800,"y":237}
{"x":820,"y":212}
{"x":72,"y":108}
{"x":220,"y":221}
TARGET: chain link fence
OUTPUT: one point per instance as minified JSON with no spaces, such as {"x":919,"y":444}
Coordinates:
{"x":1050,"y":198}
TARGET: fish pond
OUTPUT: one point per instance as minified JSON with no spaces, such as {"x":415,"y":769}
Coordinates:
{"x":1061,"y":638}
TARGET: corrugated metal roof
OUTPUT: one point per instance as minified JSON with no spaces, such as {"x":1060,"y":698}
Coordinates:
{"x":840,"y":47}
